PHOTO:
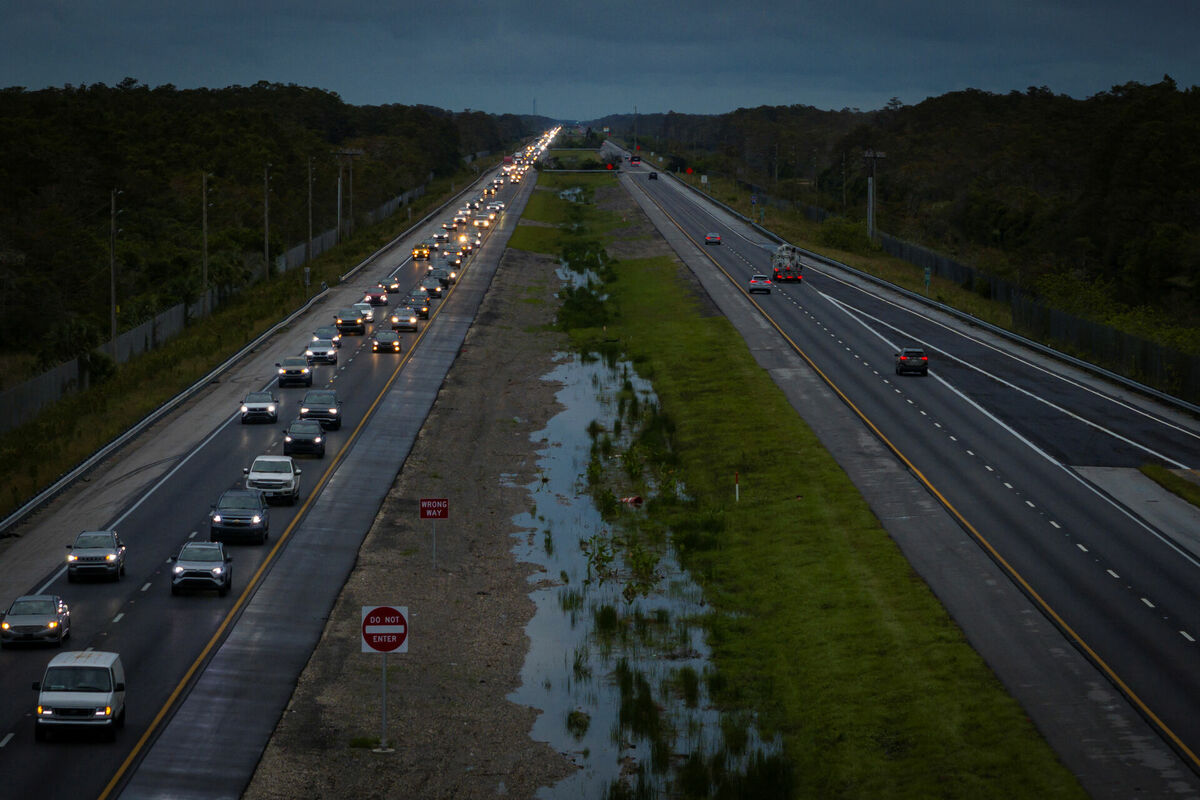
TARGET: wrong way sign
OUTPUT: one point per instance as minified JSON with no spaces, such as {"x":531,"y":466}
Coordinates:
{"x":384,"y":629}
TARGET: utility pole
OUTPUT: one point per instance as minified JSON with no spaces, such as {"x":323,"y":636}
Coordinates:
{"x":204,"y":243}
{"x":308,"y":250}
{"x":872,"y":156}
{"x":343,"y":155}
{"x":267,"y":222}
{"x":112,"y":269}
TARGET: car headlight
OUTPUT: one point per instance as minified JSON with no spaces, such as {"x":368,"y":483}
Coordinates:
{"x":304,"y":371}
{"x":4,"y":626}
{"x":270,"y":409}
{"x":71,"y":557}
{"x":303,"y":409}
{"x":52,"y":624}
{"x":340,"y":321}
{"x":244,"y":409}
{"x":395,"y":319}
{"x":282,"y":371}
{"x":316,"y":440}
{"x":256,"y":519}
{"x":217,"y":570}
{"x":413,"y":320}
{"x":105,"y":711}
{"x":308,"y":352}
{"x":216,"y":518}
{"x":287,"y":438}
{"x":178,"y":569}
{"x":333,"y":411}
{"x":111,"y":557}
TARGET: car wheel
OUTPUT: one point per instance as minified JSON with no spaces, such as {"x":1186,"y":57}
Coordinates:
{"x":174,"y":589}
{"x":223,"y":590}
{"x":121,"y":719}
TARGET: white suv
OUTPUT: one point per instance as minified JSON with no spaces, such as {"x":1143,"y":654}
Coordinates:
{"x":277,"y":477}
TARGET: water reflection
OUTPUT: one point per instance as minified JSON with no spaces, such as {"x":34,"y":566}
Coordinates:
{"x":619,"y":674}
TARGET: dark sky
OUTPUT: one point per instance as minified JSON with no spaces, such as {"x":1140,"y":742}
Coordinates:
{"x":585,"y":60}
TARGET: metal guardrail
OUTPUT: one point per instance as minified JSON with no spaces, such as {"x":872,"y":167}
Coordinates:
{"x":970,"y":319}
{"x":138,"y":428}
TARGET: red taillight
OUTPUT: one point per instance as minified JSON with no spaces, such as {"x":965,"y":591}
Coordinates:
{"x":924,"y":358}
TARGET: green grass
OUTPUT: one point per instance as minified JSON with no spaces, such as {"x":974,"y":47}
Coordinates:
{"x":536,"y":239}
{"x":67,"y":432}
{"x":818,"y":623}
{"x":1180,"y":486}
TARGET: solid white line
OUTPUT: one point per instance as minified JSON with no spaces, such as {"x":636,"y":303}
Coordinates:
{"x":1147,"y":602}
{"x":1081,"y":547}
{"x":854,"y":314}
{"x":6,"y":740}
{"x":1055,"y":524}
{"x":1030,"y":504}
{"x":1184,"y":634}
{"x":1115,"y":575}
{"x":1136,"y":520}
{"x":1007,"y":485}
{"x":117,"y":618}
{"x":1038,"y":367}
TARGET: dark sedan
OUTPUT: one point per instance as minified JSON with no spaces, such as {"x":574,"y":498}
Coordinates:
{"x":304,"y":436}
{"x":912,"y":359}
{"x":386,"y":342}
{"x":294,"y":369}
{"x":418,"y":304}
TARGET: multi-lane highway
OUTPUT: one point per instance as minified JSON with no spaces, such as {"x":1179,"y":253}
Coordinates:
{"x":159,"y":498}
{"x":1027,"y":455}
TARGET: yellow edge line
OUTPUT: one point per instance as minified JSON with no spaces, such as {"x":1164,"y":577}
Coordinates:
{"x":253,"y":583}
{"x":1013,"y":573}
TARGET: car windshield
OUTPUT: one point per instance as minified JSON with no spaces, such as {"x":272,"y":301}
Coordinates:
{"x":913,"y":352}
{"x":31,"y":608}
{"x":260,"y":397}
{"x":320,"y":399}
{"x":322,"y":344}
{"x":305,"y":427}
{"x":327,"y":332}
{"x":96,"y":539}
{"x":386,"y":336}
{"x":270,"y":465}
{"x":238,"y":501}
{"x":295,"y":361}
{"x":200,"y":552}
{"x":77,"y":679}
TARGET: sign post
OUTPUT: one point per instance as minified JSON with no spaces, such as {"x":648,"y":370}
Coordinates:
{"x":435,"y":508}
{"x":384,"y":630}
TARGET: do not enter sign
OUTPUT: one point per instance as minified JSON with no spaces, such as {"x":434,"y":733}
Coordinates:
{"x":384,"y":629}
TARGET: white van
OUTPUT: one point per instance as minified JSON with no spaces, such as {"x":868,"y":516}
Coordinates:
{"x":81,"y":690}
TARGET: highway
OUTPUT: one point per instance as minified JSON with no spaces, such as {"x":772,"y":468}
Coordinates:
{"x":174,"y":646}
{"x":1012,"y":447}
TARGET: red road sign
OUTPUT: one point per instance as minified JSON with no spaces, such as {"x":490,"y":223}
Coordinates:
{"x":384,"y":629}
{"x":435,"y":508}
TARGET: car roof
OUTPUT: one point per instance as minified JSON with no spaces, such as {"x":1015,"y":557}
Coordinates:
{"x":269,"y":457}
{"x":757,"y":277}
{"x":84,"y":658}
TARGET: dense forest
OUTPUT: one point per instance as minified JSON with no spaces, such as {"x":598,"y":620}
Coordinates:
{"x":67,"y":153}
{"x":1093,"y":204}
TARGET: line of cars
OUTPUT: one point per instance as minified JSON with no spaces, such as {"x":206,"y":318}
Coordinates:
{"x":86,"y":689}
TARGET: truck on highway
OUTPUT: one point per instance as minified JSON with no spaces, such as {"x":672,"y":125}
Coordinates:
{"x":785,"y":264}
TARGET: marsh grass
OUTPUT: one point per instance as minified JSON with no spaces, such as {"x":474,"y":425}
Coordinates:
{"x":819,"y":625}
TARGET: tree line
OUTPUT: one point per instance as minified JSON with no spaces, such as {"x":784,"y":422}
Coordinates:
{"x":1093,"y":204}
{"x":67,"y":153}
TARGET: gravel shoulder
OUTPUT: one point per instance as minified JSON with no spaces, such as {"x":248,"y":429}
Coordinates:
{"x":454,"y":732}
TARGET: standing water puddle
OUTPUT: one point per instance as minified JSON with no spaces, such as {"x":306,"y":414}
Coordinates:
{"x":618,"y":673}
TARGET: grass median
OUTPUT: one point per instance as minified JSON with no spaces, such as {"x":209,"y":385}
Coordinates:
{"x":818,"y":624}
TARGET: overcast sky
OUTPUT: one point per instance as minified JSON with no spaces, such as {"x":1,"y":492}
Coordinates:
{"x":584,"y":60}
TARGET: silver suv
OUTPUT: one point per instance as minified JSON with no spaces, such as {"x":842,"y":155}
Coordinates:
{"x":96,"y":553}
